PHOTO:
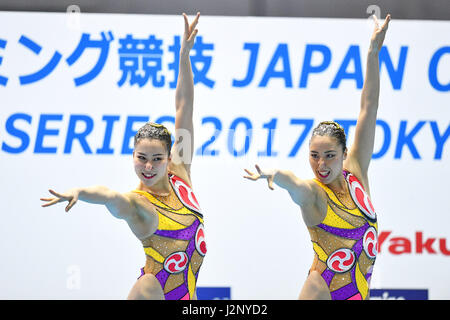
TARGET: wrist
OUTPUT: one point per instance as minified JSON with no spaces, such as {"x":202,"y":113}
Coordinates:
{"x":184,"y":52}
{"x":76,"y":191}
{"x":373,"y":50}
{"x":273,"y":173}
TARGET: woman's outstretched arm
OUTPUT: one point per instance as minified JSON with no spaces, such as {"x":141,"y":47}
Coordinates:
{"x":118,"y":204}
{"x":303,"y":192}
{"x":300,"y":190}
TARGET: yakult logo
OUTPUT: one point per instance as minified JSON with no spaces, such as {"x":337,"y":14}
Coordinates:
{"x":418,"y":244}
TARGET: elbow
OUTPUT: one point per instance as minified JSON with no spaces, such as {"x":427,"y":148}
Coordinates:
{"x":370,"y":107}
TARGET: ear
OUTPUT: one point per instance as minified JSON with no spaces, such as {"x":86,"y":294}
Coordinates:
{"x":345,"y":153}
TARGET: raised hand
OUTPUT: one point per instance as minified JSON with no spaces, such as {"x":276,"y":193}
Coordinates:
{"x":71,"y":196}
{"x":262,"y":174}
{"x":376,"y":42}
{"x":189,"y":32}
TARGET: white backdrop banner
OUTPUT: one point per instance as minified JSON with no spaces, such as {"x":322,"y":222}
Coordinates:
{"x":75,"y":88}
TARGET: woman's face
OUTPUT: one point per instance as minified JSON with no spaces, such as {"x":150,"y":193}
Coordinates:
{"x":150,"y":159}
{"x":326,"y":158}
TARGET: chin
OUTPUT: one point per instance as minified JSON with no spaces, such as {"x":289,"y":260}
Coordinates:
{"x":151,"y":182}
{"x":322,"y":178}
{"x":326,"y":180}
{"x":148,"y":182}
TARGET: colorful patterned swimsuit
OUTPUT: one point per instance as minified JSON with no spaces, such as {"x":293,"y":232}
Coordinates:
{"x":176,"y":250}
{"x":345,"y":243}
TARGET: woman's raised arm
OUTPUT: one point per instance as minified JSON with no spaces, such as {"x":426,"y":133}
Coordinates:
{"x":183,"y":148}
{"x":360,"y":154}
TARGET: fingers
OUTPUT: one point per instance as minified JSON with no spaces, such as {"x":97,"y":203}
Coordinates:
{"x":194,"y":23}
{"x":186,"y":23}
{"x":190,"y":29}
{"x":270,"y":183}
{"x":377,"y":23}
{"x":255,"y":176}
{"x":251,"y":175}
{"x":58,"y":198}
{"x":193,"y":34}
{"x":71,"y":204}
{"x":50,"y":201}
{"x":386,"y":22}
{"x":56,"y":194}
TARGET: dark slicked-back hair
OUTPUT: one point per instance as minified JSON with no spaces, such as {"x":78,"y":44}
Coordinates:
{"x":331,"y":129}
{"x":156,"y":131}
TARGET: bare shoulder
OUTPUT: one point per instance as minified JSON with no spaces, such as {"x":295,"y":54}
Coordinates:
{"x":315,"y":191}
{"x":312,"y":184}
{"x":303,"y":192}
{"x":134,"y":197}
{"x":144,"y":221}
{"x":144,"y":209}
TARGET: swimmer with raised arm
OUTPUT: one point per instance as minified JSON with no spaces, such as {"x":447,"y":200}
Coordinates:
{"x":336,"y":206}
{"x":162,"y":212}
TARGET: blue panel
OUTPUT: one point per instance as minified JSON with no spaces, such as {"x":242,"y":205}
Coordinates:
{"x":213,"y":293}
{"x":399,"y":294}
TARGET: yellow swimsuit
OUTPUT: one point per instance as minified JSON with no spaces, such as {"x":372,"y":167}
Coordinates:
{"x":176,"y":250}
{"x":345,"y":243}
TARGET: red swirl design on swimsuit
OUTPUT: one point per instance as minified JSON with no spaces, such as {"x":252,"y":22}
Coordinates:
{"x":361,"y":197}
{"x":341,"y":260}
{"x":176,"y":262}
{"x":185,"y":193}
{"x":200,"y":243}
{"x":370,"y":240}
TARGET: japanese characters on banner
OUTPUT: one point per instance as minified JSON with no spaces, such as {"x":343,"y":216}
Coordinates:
{"x":73,"y":94}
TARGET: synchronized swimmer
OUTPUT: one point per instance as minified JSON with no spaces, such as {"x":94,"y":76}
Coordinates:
{"x":162,"y":212}
{"x":336,"y":206}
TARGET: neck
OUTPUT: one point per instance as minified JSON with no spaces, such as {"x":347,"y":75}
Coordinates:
{"x":339,"y":184}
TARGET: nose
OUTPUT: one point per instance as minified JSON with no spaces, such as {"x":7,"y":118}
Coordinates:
{"x":148,"y":166}
{"x":320,"y":161}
